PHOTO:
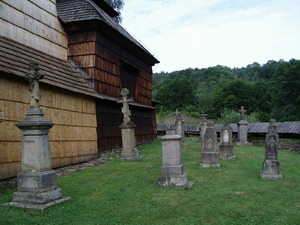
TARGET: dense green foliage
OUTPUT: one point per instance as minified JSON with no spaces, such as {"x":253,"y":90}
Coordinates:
{"x":126,"y":192}
{"x":269,"y":91}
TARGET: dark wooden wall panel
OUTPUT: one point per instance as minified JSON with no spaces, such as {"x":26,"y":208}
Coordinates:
{"x":109,"y":117}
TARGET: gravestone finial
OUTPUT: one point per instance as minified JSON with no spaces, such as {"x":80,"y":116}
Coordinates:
{"x":125,"y":100}
{"x":33,"y":76}
{"x":242,"y":112}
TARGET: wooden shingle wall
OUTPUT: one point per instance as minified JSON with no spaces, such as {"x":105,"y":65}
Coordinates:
{"x":102,"y":59}
{"x":73,"y":138}
{"x":109,"y":117}
{"x":34,"y":23}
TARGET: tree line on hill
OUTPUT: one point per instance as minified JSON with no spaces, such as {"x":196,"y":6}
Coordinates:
{"x":271,"y":90}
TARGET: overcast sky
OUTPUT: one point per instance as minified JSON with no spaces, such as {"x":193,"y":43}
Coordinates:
{"x":204,"y":33}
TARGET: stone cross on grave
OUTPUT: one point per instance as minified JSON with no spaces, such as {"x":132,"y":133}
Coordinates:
{"x":178,"y":115}
{"x":125,"y":100}
{"x":203,"y":116}
{"x":33,"y":76}
{"x":242,"y":112}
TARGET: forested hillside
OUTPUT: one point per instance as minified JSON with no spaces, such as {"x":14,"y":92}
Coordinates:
{"x":271,"y":90}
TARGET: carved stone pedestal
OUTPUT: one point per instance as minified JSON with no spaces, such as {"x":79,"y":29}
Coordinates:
{"x":172,"y":174}
{"x":129,"y":152}
{"x":210,"y":159}
{"x":36,"y":181}
{"x":226,"y":152}
{"x":243,"y":133}
{"x":271,"y":170}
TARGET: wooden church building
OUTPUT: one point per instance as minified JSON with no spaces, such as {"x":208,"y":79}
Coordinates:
{"x":87,"y":58}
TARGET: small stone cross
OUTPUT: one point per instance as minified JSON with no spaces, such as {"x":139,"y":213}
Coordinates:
{"x":125,"y":100}
{"x":242,"y":112}
{"x":203,"y":116}
{"x":178,"y":115}
{"x":33,"y":76}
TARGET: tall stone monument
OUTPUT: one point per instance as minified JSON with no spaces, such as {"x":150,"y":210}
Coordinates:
{"x":172,"y":174}
{"x":243,"y":128}
{"x":36,"y":181}
{"x":203,"y":125}
{"x":180,"y":128}
{"x":129,"y":151}
{"x":226,"y":147}
{"x":210,"y":155}
{"x":271,"y":163}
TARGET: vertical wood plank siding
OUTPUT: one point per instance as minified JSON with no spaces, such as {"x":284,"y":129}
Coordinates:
{"x":109,"y":117}
{"x":73,"y":115}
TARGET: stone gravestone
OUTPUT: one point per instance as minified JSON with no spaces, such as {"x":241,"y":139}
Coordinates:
{"x":203,"y":125}
{"x":210,"y":155}
{"x":172,"y":174}
{"x":180,"y":128}
{"x":271,"y":163}
{"x":129,"y":151}
{"x":243,"y":128}
{"x":36,"y":181}
{"x":226,"y":147}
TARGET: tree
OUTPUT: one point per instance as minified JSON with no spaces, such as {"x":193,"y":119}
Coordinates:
{"x":233,"y":95}
{"x":285,"y":92}
{"x":178,"y":93}
{"x":116,"y":5}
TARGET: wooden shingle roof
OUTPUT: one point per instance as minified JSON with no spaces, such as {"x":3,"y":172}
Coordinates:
{"x":15,"y":59}
{"x":282,"y":127}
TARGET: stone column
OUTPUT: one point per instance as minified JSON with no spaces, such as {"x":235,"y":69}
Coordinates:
{"x":271,"y":164}
{"x":172,"y":174}
{"x":36,"y":181}
{"x":210,"y":155}
{"x":243,"y":128}
{"x":129,"y":152}
{"x":226,"y":147}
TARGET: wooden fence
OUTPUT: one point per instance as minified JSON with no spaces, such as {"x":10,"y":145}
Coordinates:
{"x":253,"y":128}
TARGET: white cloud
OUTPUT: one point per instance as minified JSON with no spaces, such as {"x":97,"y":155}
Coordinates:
{"x":202,"y":33}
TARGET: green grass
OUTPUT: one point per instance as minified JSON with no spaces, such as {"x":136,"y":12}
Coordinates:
{"x":125,"y":192}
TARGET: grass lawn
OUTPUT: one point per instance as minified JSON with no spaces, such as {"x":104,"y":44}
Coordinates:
{"x":125,"y":192}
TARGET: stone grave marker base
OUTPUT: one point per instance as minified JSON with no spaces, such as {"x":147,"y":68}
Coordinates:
{"x":175,"y":181}
{"x":210,"y":159}
{"x":132,"y":154}
{"x":271,"y":170}
{"x":32,"y":206}
{"x":37,"y":190}
{"x":226,"y":152}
